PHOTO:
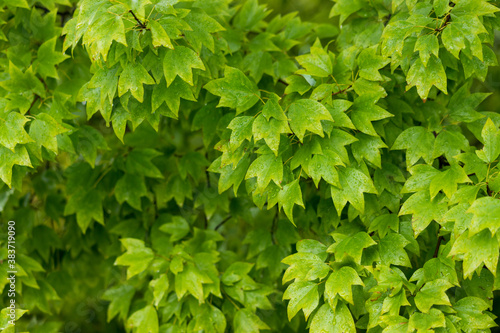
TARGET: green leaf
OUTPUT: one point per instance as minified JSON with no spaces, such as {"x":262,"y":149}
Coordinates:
{"x":235,"y":89}
{"x":441,"y":267}
{"x":305,"y":267}
{"x":306,"y":114}
{"x":258,"y":63}
{"x":491,"y":138}
{"x":120,"y":298}
{"x":353,"y":246}
{"x":324,"y":166}
{"x":453,"y":39}
{"x":289,"y":196}
{"x":340,"y":283}
{"x":139,"y":163}
{"x":44,"y":131}
{"x":47,"y":59}
{"x":345,"y":8}
{"x":424,"y":210}
{"x":160,"y":288}
{"x":191,"y":280}
{"x":270,"y":130}
{"x":370,"y":63}
{"x":432,"y":293}
{"x":383,"y":223}
{"x":470,"y":310}
{"x":229,"y":176}
{"x":448,"y":181}
{"x":12,"y":131}
{"x":87,"y":206}
{"x":266,"y":168}
{"x":451,"y":144}
{"x":477,"y":249}
{"x":297,"y":83}
{"x":392,"y":250}
{"x":353,"y":184}
{"x":427,"y":45}
{"x":180,"y":62}
{"x":441,"y":7}
{"x":132,"y":78}
{"x":486,"y":215}
{"x":418,"y":143}
{"x":8,"y":159}
{"x":325,"y":320}
{"x":317,"y":62}
{"x":159,"y":35}
{"x":144,"y":320}
{"x":303,"y":296}
{"x":104,"y":31}
{"x":171,"y":96}
{"x":131,"y":188}
{"x":137,"y":258}
{"x":462,"y":104}
{"x":367,"y":147}
{"x":424,"y":77}
{"x":177,"y":229}
{"x":201,"y":26}
{"x":424,"y":322}
{"x":241,"y":130}
{"x":365,"y":110}
{"x":245,"y":321}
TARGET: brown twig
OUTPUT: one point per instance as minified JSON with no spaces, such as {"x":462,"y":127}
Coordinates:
{"x":139,"y":22}
{"x":341,"y":91}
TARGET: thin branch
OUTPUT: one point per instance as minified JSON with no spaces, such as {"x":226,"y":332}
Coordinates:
{"x":436,"y":251}
{"x":139,"y":22}
{"x":341,"y":91}
{"x":222,"y":222}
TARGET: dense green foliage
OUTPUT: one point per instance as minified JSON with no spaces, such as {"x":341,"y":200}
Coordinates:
{"x":212,"y":166}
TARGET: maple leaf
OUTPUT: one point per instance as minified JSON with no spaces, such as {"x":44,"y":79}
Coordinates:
{"x":485,"y":215}
{"x":424,"y":210}
{"x":369,"y":64}
{"x":427,"y":45}
{"x":13,"y":132}
{"x":200,"y":28}
{"x":306,"y":114}
{"x":448,"y":180}
{"x":365,"y":110}
{"x":289,"y":196}
{"x":303,"y":295}
{"x":132,"y":78}
{"x":491,"y":138}
{"x":432,"y":293}
{"x":159,"y":35}
{"x":477,"y":249}
{"x":317,"y":62}
{"x":47,"y":59}
{"x":353,"y":246}
{"x":424,"y":77}
{"x":266,"y":167}
{"x":353,"y":184}
{"x":10,"y":158}
{"x":145,"y":320}
{"x":392,"y":250}
{"x":44,"y":131}
{"x":171,"y":96}
{"x":180,"y":62}
{"x":235,"y":89}
{"x":87,"y":206}
{"x":340,"y":282}
{"x":418,"y":143}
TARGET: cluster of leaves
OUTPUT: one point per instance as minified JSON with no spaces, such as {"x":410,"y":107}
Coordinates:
{"x":186,"y":166}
